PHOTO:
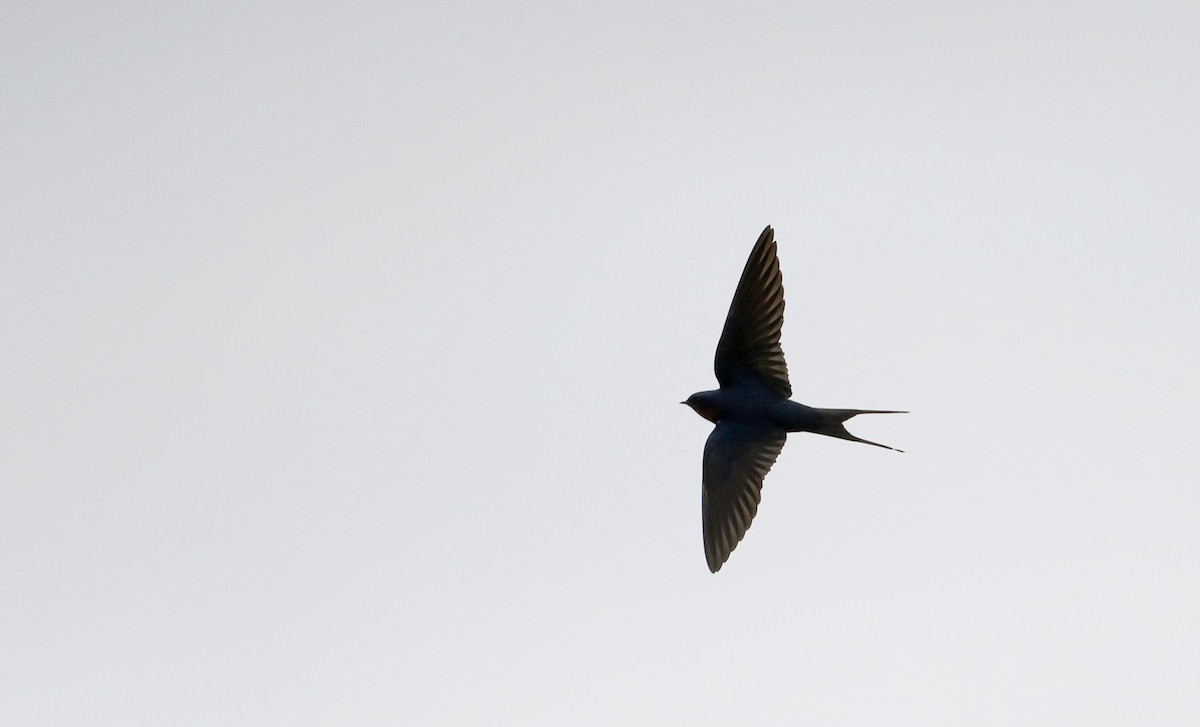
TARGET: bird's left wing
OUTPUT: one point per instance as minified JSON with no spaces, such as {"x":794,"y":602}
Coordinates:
{"x":749,"y":351}
{"x":736,"y":458}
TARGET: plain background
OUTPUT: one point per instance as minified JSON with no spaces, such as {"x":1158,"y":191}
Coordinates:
{"x":343,"y":344}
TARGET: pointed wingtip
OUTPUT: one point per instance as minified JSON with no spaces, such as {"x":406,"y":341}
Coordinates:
{"x":712,"y":561}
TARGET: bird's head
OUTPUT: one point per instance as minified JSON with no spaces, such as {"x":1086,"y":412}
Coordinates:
{"x":702,"y":403}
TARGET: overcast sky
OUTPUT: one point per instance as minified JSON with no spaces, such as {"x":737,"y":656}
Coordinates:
{"x":343,"y":346}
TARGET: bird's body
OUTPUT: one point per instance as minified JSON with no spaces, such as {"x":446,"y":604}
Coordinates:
{"x":751,"y":406}
{"x":752,"y":409}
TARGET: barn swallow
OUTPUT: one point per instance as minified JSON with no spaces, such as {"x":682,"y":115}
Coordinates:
{"x":752,"y":408}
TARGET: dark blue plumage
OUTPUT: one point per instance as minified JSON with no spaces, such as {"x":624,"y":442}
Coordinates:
{"x":751,"y":408}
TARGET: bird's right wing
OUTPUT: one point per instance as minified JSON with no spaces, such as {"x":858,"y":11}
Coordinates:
{"x":736,"y":458}
{"x":749,"y":351}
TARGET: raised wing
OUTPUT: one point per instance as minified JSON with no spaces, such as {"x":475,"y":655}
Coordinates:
{"x":736,"y":458}
{"x":749,"y":347}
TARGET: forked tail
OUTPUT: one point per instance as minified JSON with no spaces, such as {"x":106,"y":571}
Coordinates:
{"x":832,"y":424}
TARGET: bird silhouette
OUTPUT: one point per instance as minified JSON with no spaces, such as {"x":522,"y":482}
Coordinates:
{"x":752,"y":409}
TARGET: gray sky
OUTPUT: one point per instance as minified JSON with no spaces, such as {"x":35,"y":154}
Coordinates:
{"x":343,"y":346}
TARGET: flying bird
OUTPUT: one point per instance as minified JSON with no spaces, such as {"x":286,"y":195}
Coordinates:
{"x":752,"y":408}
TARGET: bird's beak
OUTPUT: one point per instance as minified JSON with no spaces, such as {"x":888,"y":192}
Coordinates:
{"x":683,"y":402}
